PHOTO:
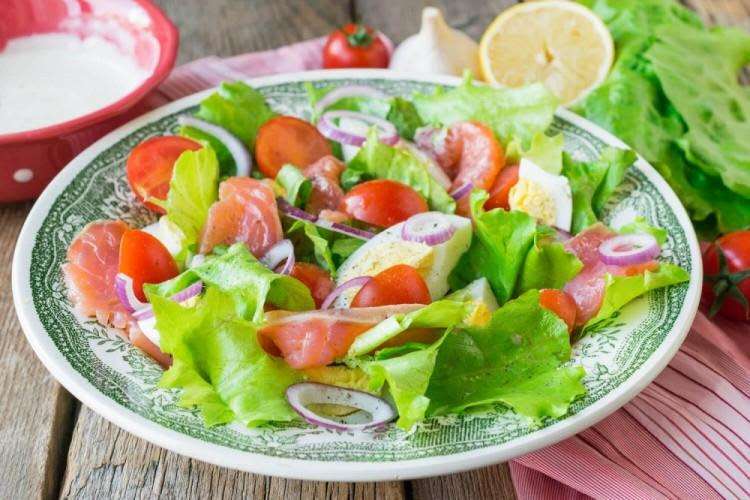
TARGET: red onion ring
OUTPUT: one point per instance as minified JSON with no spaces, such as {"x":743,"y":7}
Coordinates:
{"x":629,"y":249}
{"x":295,"y":213}
{"x":358,"y":281}
{"x":234,"y":145}
{"x":430,"y":228}
{"x":462,"y":191}
{"x":180,"y":297}
{"x":347,"y":91}
{"x":280,"y":252}
{"x":302,"y":394}
{"x":388,"y":133}
{"x":126,"y":294}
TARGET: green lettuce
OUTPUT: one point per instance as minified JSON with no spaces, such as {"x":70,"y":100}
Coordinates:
{"x":620,"y":290}
{"x":547,"y":265}
{"x":592,"y":183}
{"x":667,"y":57}
{"x":544,"y":151}
{"x":378,"y":160}
{"x":321,"y":250}
{"x":501,"y":241}
{"x":297,"y":187}
{"x":515,"y":360}
{"x":247,"y":282}
{"x":641,"y":225}
{"x":512,"y":113}
{"x":218,"y":363}
{"x":193,"y":188}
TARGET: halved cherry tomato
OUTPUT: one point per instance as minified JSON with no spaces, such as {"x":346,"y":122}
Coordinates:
{"x":145,"y":260}
{"x":560,"y":303}
{"x":506,"y":179}
{"x":355,"y":46}
{"x":400,"y":284}
{"x":150,"y":163}
{"x":383,"y":202}
{"x":315,"y":278}
{"x":287,"y":139}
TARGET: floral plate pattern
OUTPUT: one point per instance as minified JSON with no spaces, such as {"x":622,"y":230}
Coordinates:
{"x":99,"y":367}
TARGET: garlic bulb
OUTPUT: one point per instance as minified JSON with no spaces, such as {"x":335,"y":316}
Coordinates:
{"x":437,"y":48}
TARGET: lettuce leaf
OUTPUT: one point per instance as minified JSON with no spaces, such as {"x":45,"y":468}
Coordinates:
{"x":218,"y":363}
{"x":227,"y":167}
{"x":193,"y":188}
{"x":238,"y":108}
{"x":296,"y":186}
{"x":620,"y":290}
{"x":545,"y":151}
{"x":321,"y":249}
{"x":547,"y":265}
{"x":641,"y":225}
{"x":515,"y":360}
{"x":501,"y":241}
{"x":592,"y":183}
{"x":512,"y":113}
{"x":247,"y":282}
{"x":377,"y":160}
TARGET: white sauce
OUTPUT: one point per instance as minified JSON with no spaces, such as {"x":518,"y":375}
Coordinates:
{"x":52,"y":78}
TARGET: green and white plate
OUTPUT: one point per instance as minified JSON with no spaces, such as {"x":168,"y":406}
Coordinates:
{"x":120,"y":383}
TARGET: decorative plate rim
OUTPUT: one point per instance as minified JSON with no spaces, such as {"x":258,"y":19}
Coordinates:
{"x":223,"y":456}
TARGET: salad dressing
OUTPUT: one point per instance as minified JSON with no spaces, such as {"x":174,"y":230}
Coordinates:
{"x":52,"y":78}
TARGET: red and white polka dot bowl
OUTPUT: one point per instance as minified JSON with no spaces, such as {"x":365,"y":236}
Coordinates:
{"x":30,"y":159}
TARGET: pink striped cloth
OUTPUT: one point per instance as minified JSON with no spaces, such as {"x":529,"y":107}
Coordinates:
{"x":687,"y":435}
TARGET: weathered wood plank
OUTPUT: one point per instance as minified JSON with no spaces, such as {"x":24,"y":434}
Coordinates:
{"x":107,"y":462}
{"x":228,"y":27}
{"x":724,"y":12}
{"x":36,"y":413}
{"x":481,"y":484}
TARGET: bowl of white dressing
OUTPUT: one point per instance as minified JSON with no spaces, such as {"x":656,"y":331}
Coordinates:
{"x":71,"y":71}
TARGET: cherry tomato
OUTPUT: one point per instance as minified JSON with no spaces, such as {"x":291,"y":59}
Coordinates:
{"x":315,"y":278}
{"x":383,"y":202}
{"x":355,"y":46}
{"x":400,"y":284}
{"x":506,"y":179}
{"x":560,"y":303}
{"x":149,"y":166}
{"x":726,"y":267}
{"x":145,"y":260}
{"x":287,"y":139}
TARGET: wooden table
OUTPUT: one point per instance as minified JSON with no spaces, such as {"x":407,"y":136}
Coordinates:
{"x":51,"y":445}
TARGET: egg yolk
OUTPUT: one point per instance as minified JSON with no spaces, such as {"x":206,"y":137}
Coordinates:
{"x":530,"y":197}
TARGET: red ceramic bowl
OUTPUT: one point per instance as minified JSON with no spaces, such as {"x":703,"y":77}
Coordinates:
{"x":30,"y":159}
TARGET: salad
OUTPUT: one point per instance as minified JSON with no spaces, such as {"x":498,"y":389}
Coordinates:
{"x":384,"y":259}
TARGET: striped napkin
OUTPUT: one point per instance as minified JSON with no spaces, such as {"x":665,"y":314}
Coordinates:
{"x":687,"y":435}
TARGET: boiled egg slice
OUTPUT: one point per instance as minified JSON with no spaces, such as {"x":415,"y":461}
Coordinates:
{"x":545,"y":196}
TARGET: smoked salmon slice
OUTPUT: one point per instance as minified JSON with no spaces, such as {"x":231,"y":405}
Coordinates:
{"x":90,"y":272}
{"x":326,"y":192}
{"x":246,"y":212}
{"x":316,"y":338}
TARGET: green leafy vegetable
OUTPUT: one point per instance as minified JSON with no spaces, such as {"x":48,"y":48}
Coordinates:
{"x":641,"y":225}
{"x":501,"y":241}
{"x":320,"y":246}
{"x":218,"y":363}
{"x":674,"y":96}
{"x":545,"y":151}
{"x":403,"y":114}
{"x":381,"y":161}
{"x":592,"y":183}
{"x":343,"y":247}
{"x":547,"y":265}
{"x":247,"y":282}
{"x":515,"y":360}
{"x":227,"y":167}
{"x":512,"y":113}
{"x":619,"y":290}
{"x":193,"y":188}
{"x":297,"y":187}
{"x":238,"y":108}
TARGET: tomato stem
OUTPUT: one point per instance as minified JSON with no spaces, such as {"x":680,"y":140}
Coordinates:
{"x":360,"y":38}
{"x":725,"y":285}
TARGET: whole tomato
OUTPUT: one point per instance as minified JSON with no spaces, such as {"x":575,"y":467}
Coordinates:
{"x":355,"y":45}
{"x":726,"y":266}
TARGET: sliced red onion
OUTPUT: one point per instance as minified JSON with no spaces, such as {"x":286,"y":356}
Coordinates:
{"x":290,"y":210}
{"x":234,"y":145}
{"x":347,"y":91}
{"x":430,"y":228}
{"x":180,"y":297}
{"x":388,"y":133}
{"x":126,"y":294}
{"x":629,"y":249}
{"x":562,"y":234}
{"x":303,"y":394}
{"x":359,"y":281}
{"x":283,"y":251}
{"x":462,"y":191}
{"x":429,"y":162}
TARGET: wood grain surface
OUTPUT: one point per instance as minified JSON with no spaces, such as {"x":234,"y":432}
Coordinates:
{"x":52,"y":447}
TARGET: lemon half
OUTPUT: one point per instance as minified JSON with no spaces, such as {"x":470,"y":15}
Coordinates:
{"x":559,"y":43}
